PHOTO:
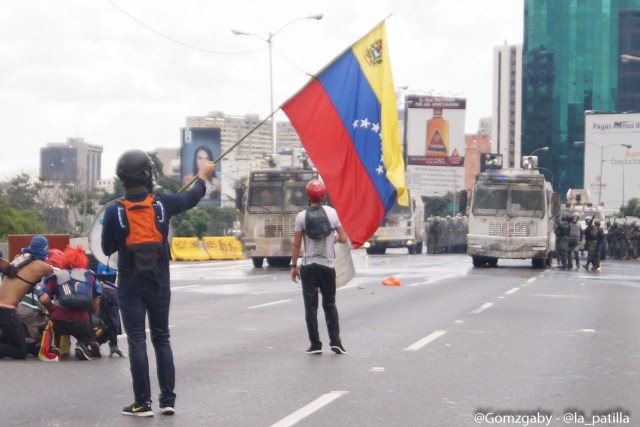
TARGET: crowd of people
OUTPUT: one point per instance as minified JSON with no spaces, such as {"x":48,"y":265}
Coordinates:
{"x":447,"y":235}
{"x":48,"y":295}
{"x":617,"y":238}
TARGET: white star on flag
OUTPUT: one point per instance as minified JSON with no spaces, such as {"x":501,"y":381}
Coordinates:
{"x":364,"y":123}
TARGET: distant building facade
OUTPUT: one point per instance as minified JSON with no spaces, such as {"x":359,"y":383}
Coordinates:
{"x":572,"y":64}
{"x":74,"y":161}
{"x":507,"y":103}
{"x":475,"y":146}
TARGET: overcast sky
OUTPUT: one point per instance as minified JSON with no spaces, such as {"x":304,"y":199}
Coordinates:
{"x":125,"y":74}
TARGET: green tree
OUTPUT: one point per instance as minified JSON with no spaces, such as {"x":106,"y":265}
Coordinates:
{"x":438,"y":205}
{"x":197,"y":220}
{"x":632,"y":208}
{"x":14,"y":221}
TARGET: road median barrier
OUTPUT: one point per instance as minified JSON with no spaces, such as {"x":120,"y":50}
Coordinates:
{"x":187,"y":249}
{"x":227,"y":247}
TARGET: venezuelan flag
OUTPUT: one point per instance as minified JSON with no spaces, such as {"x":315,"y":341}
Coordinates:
{"x":347,"y":120}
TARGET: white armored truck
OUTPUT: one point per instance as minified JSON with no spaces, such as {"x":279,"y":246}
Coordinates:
{"x":511,"y":214}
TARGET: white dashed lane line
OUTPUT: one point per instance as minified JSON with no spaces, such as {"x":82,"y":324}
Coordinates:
{"x":270,"y":303}
{"x":309,"y":409}
{"x":426,"y":340}
{"x":482,"y":308}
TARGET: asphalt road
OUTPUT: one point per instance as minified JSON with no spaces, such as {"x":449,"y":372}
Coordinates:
{"x":451,"y":346}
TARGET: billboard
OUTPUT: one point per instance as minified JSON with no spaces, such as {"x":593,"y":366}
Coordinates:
{"x":434,"y":144}
{"x":611,"y":168}
{"x":200,"y":145}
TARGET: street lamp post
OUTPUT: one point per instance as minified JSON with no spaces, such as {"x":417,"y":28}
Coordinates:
{"x":602,"y":147}
{"x":269,"y":41}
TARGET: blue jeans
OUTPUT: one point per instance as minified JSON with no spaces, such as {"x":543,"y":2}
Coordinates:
{"x":136,"y":300}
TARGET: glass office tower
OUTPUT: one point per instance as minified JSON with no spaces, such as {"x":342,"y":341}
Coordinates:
{"x":571,"y":63}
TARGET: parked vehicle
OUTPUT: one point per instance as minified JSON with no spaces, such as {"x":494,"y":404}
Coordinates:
{"x":511,"y":214}
{"x":402,"y":227}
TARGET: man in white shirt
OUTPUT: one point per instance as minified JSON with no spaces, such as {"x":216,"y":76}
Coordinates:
{"x":318,"y":225}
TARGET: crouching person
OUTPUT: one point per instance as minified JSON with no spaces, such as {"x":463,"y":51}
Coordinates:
{"x":20,"y":277}
{"x":69,"y":295}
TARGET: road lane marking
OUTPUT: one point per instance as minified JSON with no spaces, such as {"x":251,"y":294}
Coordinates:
{"x":270,"y":303}
{"x":482,"y":308}
{"x":309,"y":409}
{"x":426,"y":340}
{"x":512,"y":291}
{"x":533,"y":279}
{"x":184,"y":287}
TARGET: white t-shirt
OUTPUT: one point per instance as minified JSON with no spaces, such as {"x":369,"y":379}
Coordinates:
{"x":319,"y":251}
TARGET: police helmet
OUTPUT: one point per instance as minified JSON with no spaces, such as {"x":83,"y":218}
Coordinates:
{"x":135,"y":167}
{"x":316,"y":191}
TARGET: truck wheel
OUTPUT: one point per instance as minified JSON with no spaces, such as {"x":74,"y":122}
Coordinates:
{"x":278,"y":261}
{"x":411,"y":249}
{"x":419,"y":247}
{"x":257,"y":261}
{"x":538,"y":262}
{"x":492,"y":262}
{"x":478,"y":261}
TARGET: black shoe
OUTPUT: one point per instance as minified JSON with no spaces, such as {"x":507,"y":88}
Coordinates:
{"x":167,"y":410}
{"x":314,"y":349}
{"x":138,"y":410}
{"x":586,"y":266}
{"x":82,"y":352}
{"x":338,"y":349}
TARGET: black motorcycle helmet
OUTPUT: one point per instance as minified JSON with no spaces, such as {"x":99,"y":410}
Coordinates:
{"x":135,"y":168}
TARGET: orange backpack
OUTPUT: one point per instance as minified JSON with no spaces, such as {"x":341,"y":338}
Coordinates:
{"x":144,"y":240}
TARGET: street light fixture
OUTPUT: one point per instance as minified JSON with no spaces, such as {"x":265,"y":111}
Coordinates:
{"x":602,"y":147}
{"x":539,"y":149}
{"x":629,"y":58}
{"x":269,"y":41}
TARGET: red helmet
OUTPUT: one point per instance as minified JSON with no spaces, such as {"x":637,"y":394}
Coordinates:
{"x":56,"y":258}
{"x":316,"y":191}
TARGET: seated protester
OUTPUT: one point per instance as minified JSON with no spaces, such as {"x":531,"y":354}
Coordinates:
{"x":69,"y":295}
{"x":19,"y":278}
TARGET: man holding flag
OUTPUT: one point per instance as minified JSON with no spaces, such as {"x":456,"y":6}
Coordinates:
{"x":347,"y":120}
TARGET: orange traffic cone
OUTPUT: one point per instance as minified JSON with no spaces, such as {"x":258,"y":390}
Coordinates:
{"x":391,"y":281}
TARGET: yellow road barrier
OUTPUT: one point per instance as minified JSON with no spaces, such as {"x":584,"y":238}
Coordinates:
{"x":187,"y":249}
{"x":223,"y":247}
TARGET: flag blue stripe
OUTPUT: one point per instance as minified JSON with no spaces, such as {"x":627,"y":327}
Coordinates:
{"x":354,"y":100}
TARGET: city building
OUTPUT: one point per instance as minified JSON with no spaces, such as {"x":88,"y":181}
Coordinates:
{"x":74,"y":161}
{"x":249,"y":154}
{"x":572,"y":64}
{"x":475,"y":145}
{"x":507,"y":103}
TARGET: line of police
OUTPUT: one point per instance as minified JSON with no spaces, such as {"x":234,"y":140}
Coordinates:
{"x":618,"y":239}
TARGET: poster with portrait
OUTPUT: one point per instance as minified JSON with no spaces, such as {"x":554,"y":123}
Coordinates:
{"x":200,"y":145}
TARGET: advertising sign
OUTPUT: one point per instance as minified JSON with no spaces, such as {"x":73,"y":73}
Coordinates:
{"x":200,"y":145}
{"x":435,"y":144}
{"x":611,"y":168}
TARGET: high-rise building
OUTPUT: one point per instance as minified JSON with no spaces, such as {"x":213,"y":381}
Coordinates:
{"x":507,"y":103}
{"x":571,"y":64}
{"x":233,"y":128}
{"x":74,"y":161}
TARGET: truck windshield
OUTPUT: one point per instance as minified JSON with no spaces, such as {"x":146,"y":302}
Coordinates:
{"x":284,"y":195}
{"x":512,"y":201}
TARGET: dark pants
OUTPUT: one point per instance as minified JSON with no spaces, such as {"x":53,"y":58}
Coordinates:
{"x":314,"y":277}
{"x":136,"y":301}
{"x":80,"y":330}
{"x":110,"y":315}
{"x":12,"y":343}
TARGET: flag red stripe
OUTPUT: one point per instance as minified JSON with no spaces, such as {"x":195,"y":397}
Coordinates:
{"x":331,"y":148}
